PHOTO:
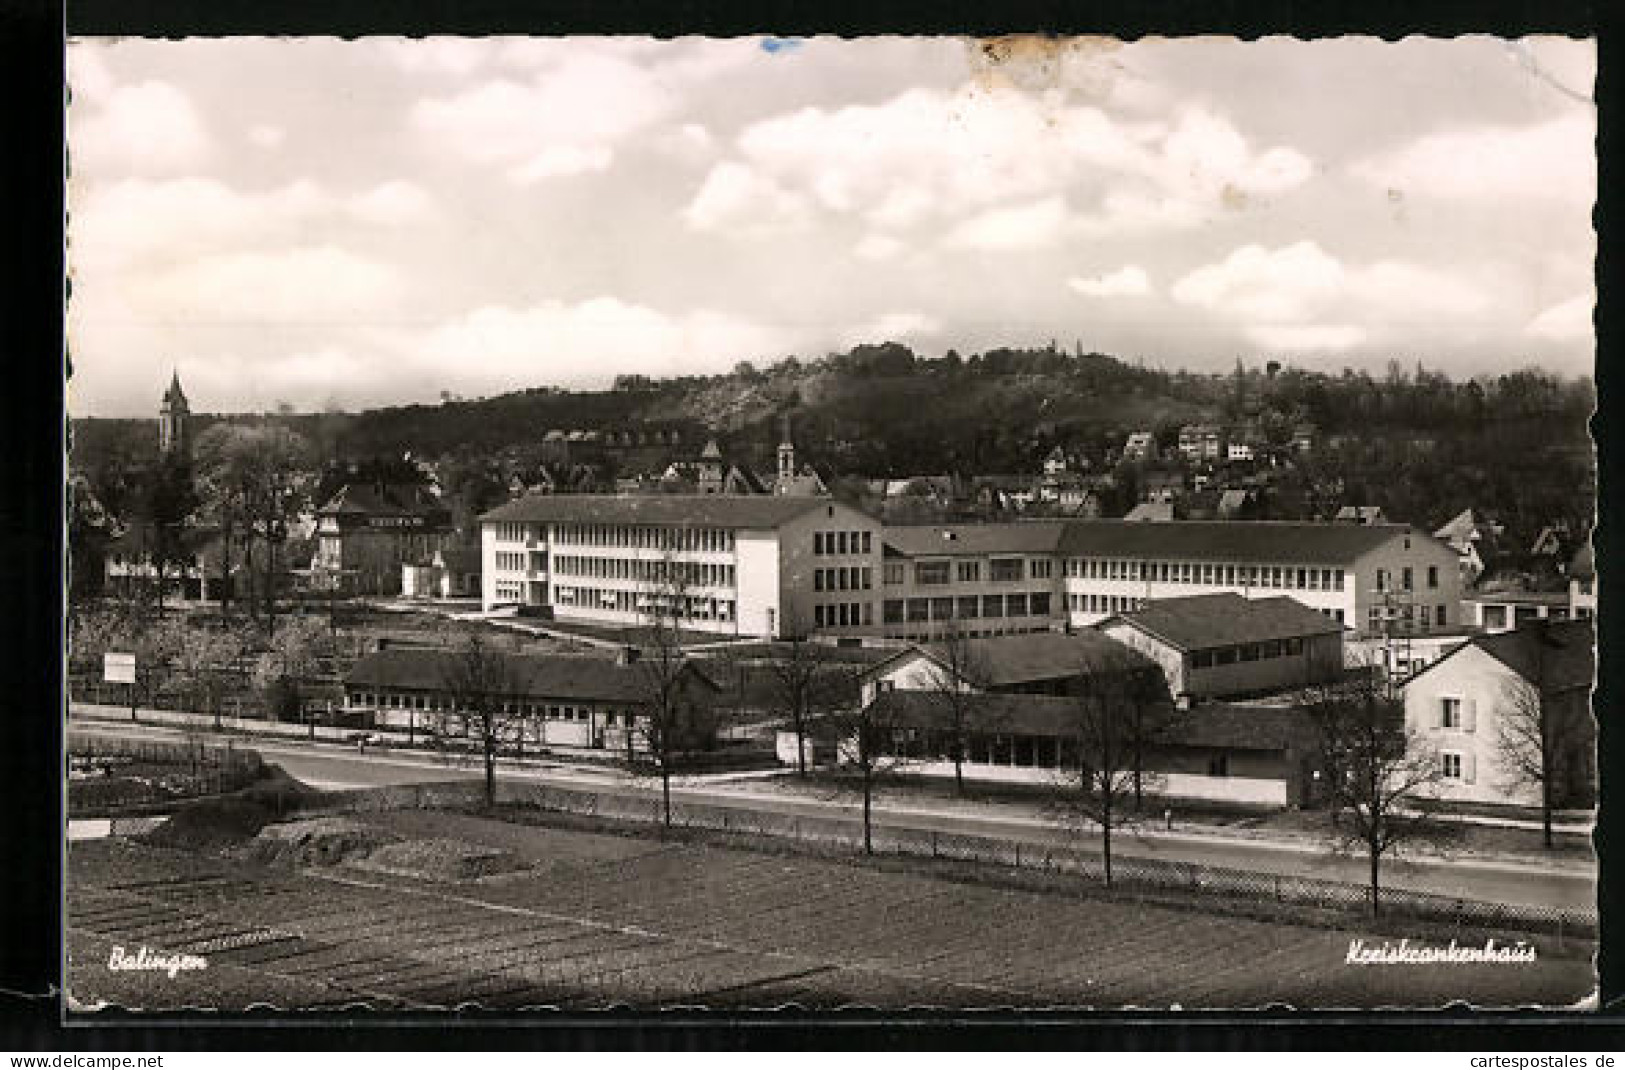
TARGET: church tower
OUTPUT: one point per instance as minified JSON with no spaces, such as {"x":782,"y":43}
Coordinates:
{"x":787,"y":453}
{"x":172,"y":417}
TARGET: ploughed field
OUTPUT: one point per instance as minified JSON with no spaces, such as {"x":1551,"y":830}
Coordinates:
{"x":593,"y":920}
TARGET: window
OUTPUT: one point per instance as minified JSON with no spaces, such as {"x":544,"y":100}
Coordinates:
{"x":919,"y":609}
{"x":942,"y":609}
{"x":1382,"y":579}
{"x":818,"y":579}
{"x":1433,"y":577}
{"x":969,"y":571}
{"x":1016,"y":605}
{"x":1451,"y":764}
{"x":818,"y":542}
{"x":840,"y":543}
{"x":931,"y":573}
{"x":868,"y":578}
{"x":1202,"y":659}
{"x":1041,"y":569}
{"x":992,"y":605}
{"x":968,"y":606}
{"x":894,"y":572}
{"x":1006,"y":570}
{"x":892,"y":611}
{"x":818,"y":616}
{"x":1218,"y":764}
{"x":1039,"y":600}
{"x":1406,"y":580}
{"x":866,"y":543}
{"x":1439,"y":616}
{"x":1450,"y":712}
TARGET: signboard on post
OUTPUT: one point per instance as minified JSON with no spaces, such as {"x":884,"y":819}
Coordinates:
{"x":118,"y":668}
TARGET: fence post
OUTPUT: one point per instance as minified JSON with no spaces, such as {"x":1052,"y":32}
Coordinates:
{"x":1277,"y":888}
{"x":933,"y":843}
{"x":1018,"y":854}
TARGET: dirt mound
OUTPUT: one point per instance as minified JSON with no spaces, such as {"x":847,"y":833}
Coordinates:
{"x":321,"y":841}
{"x":209,"y":824}
{"x":228,"y":820}
{"x":441,"y":860}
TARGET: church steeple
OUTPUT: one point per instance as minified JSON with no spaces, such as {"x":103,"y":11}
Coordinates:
{"x":787,"y":452}
{"x":172,"y":417}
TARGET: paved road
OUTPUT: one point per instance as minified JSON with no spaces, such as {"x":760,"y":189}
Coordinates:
{"x":332,"y":766}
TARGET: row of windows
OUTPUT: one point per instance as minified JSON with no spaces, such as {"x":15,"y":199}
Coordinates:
{"x":692,"y":607}
{"x":844,"y":615}
{"x":1012,"y":750}
{"x":971,"y":633}
{"x":843,"y":579}
{"x":1000,"y":570}
{"x":967,"y":607}
{"x":692,"y":573}
{"x":507,"y":531}
{"x":510,"y":592}
{"x":1230,"y":655}
{"x":552,"y":711}
{"x":1407,"y":579}
{"x":643,"y":537}
{"x":509,"y":561}
{"x":1406,"y":616}
{"x":1283,"y":576}
{"x":1103,"y":603}
{"x":843,"y":542}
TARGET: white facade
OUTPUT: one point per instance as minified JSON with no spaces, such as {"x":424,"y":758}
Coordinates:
{"x":1407,"y":574}
{"x":742,"y":580}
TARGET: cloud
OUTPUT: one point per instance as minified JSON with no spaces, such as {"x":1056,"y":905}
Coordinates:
{"x":1260,"y":284}
{"x":451,"y":56}
{"x":301,"y":286}
{"x":1568,"y":321}
{"x":88,"y":75}
{"x":891,"y":327}
{"x":1128,"y":281}
{"x":878,"y":247}
{"x":565,"y":120}
{"x":393,"y":203}
{"x":1027,"y":226}
{"x":151,"y":128}
{"x":1307,"y":337}
{"x":1492,"y":165}
{"x":736,"y":198}
{"x":587,"y":343}
{"x":137,"y":218}
{"x":267,"y":136}
{"x":931,"y":155}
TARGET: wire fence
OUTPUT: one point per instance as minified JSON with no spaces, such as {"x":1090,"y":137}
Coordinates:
{"x":1129,"y":874}
{"x":109,"y":774}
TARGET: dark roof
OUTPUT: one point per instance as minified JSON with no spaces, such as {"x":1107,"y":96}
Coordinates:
{"x":1558,"y":655}
{"x":1204,"y":621}
{"x":1008,"y":660}
{"x":1230,"y":540}
{"x":718,"y":510}
{"x":1151,"y":512}
{"x":387,"y":499}
{"x":1242,"y":727}
{"x":930,"y":540}
{"x":758,"y":687}
{"x":564,"y":676}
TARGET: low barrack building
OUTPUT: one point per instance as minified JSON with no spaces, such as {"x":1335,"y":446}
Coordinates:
{"x":552,"y":700}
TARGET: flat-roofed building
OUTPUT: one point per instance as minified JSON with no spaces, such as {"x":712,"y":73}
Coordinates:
{"x":1368,"y":577}
{"x":1501,"y":611}
{"x":979,"y":579}
{"x":758,"y":566}
{"x":1223,"y":645}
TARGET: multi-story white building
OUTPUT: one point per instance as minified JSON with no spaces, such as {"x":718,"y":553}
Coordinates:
{"x":1371,"y":578}
{"x":980,"y":579}
{"x":768,"y":566}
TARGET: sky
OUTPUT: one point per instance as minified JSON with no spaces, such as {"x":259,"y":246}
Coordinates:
{"x":352,"y":224}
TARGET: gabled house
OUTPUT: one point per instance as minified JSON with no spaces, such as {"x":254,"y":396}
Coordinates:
{"x":1479,"y":708}
{"x":1474,"y":540}
{"x":367,"y":531}
{"x":1361,"y":514}
{"x":1140,"y":446}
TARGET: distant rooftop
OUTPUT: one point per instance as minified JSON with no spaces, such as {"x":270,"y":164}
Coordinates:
{"x":1205,"y":621}
{"x":715,"y":510}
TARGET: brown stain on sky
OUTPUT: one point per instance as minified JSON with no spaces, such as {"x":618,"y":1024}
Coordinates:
{"x":1034,"y":62}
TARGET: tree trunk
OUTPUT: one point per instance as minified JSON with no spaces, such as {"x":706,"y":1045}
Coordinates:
{"x":801,"y":746}
{"x":959,"y":757}
{"x":1106,"y":845}
{"x":490,"y":762}
{"x":665,"y":789}
{"x":868,"y":809}
{"x":1376,"y":861}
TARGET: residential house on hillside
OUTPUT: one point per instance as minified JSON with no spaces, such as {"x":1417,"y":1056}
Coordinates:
{"x":1361,"y":514}
{"x":1583,"y":584}
{"x":1200,"y":443}
{"x":1477,"y":708}
{"x":1474,"y":539}
{"x":1224,"y":645}
{"x":1140,"y":446}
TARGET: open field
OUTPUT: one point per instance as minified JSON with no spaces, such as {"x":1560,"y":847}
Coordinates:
{"x":597,"y":919}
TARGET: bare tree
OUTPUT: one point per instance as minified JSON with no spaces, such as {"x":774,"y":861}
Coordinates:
{"x":955,"y":678}
{"x":1382,"y":777}
{"x":482,"y":684}
{"x":1102,"y":772}
{"x":669,"y":720}
{"x":868,"y":740}
{"x":1537,"y":734}
{"x":205,"y":661}
{"x":807,"y":680}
